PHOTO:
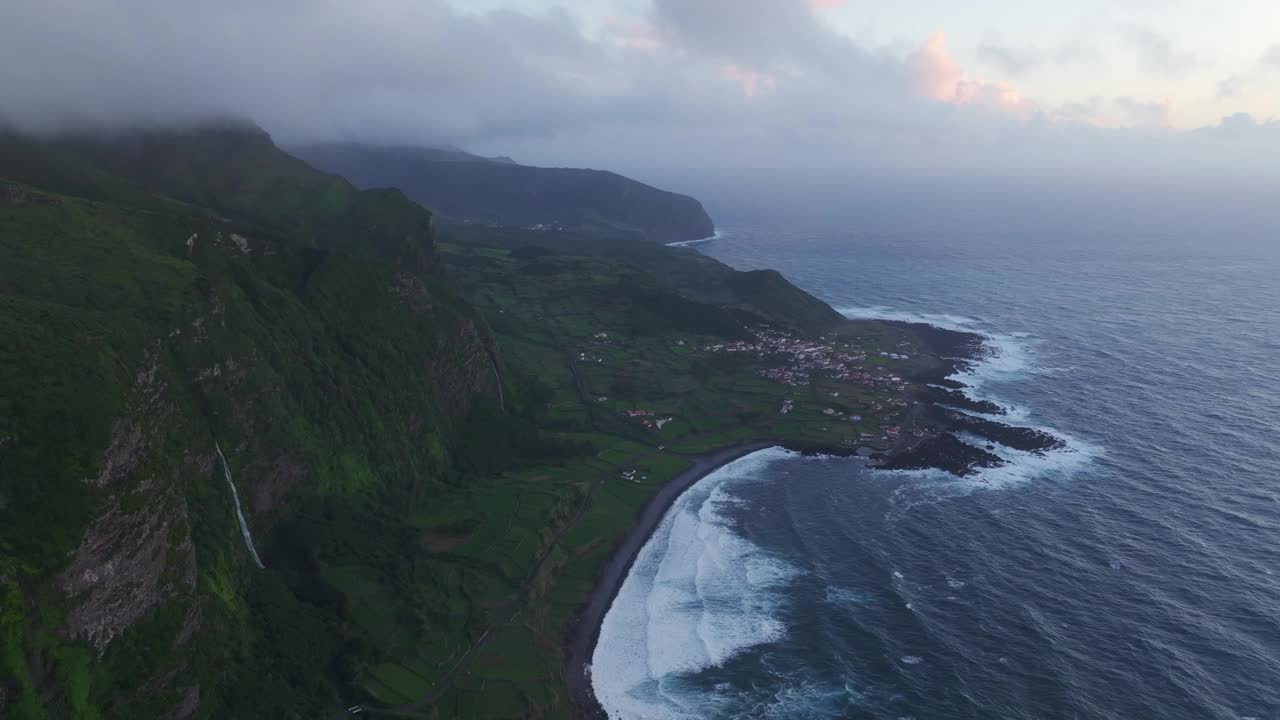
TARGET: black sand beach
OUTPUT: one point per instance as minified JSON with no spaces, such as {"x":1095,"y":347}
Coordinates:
{"x":587,"y":628}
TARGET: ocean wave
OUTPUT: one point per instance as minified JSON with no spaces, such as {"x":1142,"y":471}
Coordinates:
{"x":808,"y":699}
{"x":686,"y":243}
{"x":1009,"y":356}
{"x":697,"y":595}
{"x":881,"y":312}
{"x":845,"y":597}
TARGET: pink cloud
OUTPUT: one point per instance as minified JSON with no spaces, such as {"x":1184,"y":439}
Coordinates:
{"x":753,"y":83}
{"x":634,"y":34}
{"x":827,"y":4}
{"x":998,"y":96}
{"x":935,"y":74}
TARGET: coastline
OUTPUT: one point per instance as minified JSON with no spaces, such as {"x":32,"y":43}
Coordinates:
{"x":582,"y":642}
{"x":953,"y":351}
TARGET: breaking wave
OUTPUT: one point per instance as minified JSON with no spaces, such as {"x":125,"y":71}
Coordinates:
{"x":698,"y":595}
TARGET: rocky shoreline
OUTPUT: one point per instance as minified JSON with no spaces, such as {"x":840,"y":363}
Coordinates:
{"x":944,"y":405}
{"x":948,"y":407}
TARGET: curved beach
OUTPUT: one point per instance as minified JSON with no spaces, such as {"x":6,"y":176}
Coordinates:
{"x":587,"y":628}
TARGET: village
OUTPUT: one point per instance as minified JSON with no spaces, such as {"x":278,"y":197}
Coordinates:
{"x":805,"y":359}
{"x":876,"y":396}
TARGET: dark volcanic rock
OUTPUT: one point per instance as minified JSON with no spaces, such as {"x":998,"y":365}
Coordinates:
{"x":943,"y":452}
{"x":944,"y":342}
{"x":1018,"y":438}
{"x":957,"y":351}
{"x":957,"y":399}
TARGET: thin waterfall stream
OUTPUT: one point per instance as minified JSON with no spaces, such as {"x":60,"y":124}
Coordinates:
{"x":235,"y":496}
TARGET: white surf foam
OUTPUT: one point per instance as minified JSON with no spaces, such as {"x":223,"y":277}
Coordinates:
{"x":883,"y":312}
{"x":1008,"y":357}
{"x":686,"y":243}
{"x":1022,"y":466}
{"x":697,"y":595}
{"x":924,"y":487}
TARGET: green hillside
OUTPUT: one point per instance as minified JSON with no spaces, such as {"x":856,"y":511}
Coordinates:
{"x":426,"y":434}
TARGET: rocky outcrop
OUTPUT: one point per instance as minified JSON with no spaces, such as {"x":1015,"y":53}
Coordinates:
{"x":123,"y":454}
{"x":128,"y":563}
{"x":462,"y":370}
{"x":943,"y":452}
{"x":137,"y":552}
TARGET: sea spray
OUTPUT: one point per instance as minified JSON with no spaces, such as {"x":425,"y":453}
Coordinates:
{"x":235,"y":496}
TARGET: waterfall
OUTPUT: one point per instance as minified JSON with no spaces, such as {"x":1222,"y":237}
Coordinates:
{"x":244,"y":526}
{"x":502,"y":404}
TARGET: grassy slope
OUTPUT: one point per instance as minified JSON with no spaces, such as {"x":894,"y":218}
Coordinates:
{"x":401,"y":512}
{"x":547,"y":312}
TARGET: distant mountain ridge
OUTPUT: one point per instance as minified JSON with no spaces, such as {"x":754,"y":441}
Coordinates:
{"x":498,"y":191}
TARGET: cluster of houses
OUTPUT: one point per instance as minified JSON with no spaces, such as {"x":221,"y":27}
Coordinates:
{"x":808,"y":358}
{"x":837,"y":415}
{"x":632,"y":475}
{"x":648,"y":419}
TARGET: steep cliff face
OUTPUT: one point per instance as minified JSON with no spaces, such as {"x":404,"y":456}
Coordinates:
{"x":335,"y":375}
{"x":504,"y":193}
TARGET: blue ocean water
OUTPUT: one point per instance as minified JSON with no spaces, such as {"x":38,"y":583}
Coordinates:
{"x":1134,"y":575}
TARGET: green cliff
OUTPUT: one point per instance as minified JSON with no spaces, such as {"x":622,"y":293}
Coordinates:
{"x":425,"y":428}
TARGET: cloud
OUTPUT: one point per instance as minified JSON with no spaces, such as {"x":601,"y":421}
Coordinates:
{"x":1231,"y":87}
{"x":1156,"y":53}
{"x":1144,"y":113}
{"x":1271,"y":58}
{"x":937,"y":75}
{"x":1017,"y":61}
{"x":753,"y":83}
{"x":301,"y":67}
{"x":1014,"y":61}
{"x":1261,"y":74}
{"x":634,"y":34}
{"x":934,"y":72}
{"x":716,"y":83}
{"x":1122,"y":112}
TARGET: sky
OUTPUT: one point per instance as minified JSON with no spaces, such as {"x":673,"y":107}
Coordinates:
{"x":1134,"y":87}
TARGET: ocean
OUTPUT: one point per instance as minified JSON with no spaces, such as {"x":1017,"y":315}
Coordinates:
{"x":1133,"y":574}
